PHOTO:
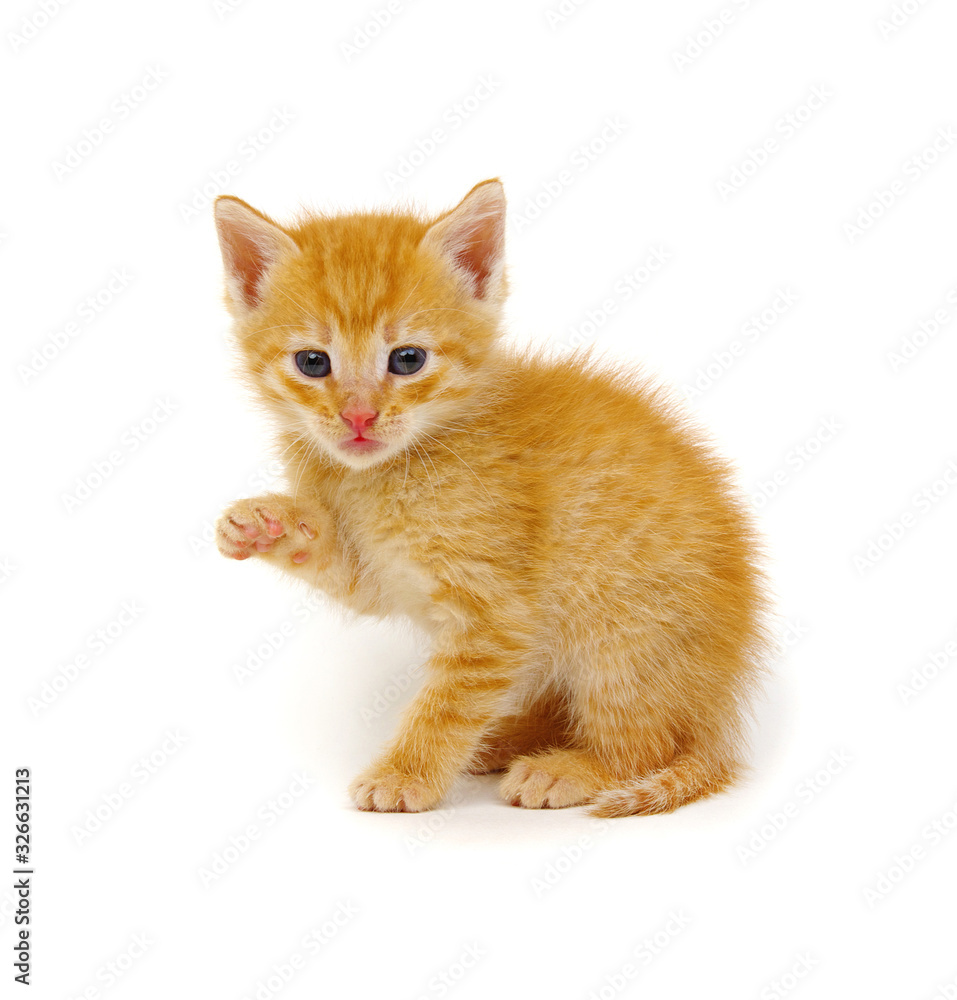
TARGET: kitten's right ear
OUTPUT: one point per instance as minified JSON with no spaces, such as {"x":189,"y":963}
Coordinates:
{"x":251,"y":243}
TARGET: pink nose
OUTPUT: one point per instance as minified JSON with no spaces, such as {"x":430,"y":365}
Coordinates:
{"x":359,"y":419}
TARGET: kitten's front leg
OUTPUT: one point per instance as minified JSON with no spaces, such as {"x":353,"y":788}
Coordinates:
{"x":439,"y":735}
{"x":299,"y":538}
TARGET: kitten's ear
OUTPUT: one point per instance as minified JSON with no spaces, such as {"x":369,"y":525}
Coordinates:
{"x":472,"y":239}
{"x":250,"y":243}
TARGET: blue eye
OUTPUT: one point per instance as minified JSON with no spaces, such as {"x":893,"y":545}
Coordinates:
{"x":315,"y":364}
{"x":406,"y":360}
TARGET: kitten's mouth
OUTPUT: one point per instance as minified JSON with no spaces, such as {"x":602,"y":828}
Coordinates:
{"x":360,"y":444}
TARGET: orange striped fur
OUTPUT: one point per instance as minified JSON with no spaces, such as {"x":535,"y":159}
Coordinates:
{"x":577,"y":554}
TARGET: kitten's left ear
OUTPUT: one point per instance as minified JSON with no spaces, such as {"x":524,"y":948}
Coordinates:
{"x":472,"y":239}
{"x":251,"y":243}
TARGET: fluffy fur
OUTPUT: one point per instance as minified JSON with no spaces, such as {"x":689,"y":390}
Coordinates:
{"x":578,"y":556}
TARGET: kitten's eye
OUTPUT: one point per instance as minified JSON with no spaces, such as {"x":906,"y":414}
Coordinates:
{"x":315,"y":364}
{"x":406,"y":360}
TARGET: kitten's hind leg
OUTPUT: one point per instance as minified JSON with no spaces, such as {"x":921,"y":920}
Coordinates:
{"x":544,"y":724}
{"x":643,"y":744}
{"x":619,"y":732}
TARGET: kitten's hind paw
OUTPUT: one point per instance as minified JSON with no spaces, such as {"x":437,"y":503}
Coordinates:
{"x":554,"y":779}
{"x":265,"y":525}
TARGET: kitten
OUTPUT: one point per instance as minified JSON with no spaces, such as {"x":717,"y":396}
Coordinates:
{"x":578,"y":557}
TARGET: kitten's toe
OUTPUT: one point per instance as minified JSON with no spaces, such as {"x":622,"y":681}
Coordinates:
{"x":234,"y":539}
{"x":274,"y":526}
{"x":552,"y":780}
{"x":247,"y":527}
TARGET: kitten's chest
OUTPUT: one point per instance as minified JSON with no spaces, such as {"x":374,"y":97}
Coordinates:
{"x":393,"y":532}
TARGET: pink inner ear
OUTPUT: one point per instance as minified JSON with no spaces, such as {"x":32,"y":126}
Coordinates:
{"x":251,"y":244}
{"x":479,"y":250}
{"x":249,"y":263}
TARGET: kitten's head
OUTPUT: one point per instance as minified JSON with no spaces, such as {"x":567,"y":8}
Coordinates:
{"x":363,"y":332}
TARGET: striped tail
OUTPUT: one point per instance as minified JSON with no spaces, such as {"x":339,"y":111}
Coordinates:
{"x":686,"y":778}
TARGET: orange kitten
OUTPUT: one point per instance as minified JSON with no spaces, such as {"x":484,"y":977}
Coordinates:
{"x":578,"y":557}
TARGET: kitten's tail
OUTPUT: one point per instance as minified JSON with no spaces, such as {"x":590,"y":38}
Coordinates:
{"x":686,"y":778}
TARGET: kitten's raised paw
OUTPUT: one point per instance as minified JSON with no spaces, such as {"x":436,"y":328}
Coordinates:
{"x":383,"y":790}
{"x":265,"y":525}
{"x":554,"y":779}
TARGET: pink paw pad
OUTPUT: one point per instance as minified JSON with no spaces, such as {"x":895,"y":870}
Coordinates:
{"x":249,"y":530}
{"x":274,"y":528}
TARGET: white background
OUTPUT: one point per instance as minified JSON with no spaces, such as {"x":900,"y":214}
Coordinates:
{"x":825,"y":875}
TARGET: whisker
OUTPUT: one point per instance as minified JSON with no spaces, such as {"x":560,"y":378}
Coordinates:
{"x":462,"y":460}
{"x":298,"y":305}
{"x":432,"y":309}
{"x":409,"y":296}
{"x":425,"y":469}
